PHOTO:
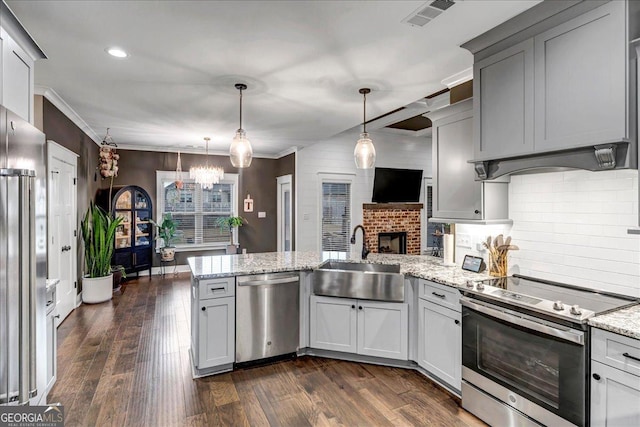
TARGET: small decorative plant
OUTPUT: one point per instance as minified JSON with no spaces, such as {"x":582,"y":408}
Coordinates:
{"x":231,"y":222}
{"x":167,"y":230}
{"x":98,"y":234}
{"x":498,"y":251}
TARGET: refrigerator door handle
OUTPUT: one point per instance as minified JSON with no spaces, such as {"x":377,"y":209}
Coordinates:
{"x":30,"y":184}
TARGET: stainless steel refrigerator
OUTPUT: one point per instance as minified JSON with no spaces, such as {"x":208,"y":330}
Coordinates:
{"x":23,"y":261}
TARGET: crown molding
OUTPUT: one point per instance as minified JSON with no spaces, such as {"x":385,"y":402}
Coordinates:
{"x":186,"y":150}
{"x":458,"y":78}
{"x":53,"y":97}
{"x":291,"y":150}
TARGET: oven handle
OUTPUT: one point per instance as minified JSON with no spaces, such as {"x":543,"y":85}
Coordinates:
{"x":564,"y":334}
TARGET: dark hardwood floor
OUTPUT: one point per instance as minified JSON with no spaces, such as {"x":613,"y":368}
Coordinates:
{"x":126,"y":362}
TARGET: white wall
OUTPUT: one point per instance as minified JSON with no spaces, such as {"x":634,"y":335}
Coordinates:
{"x":336,"y":156}
{"x":571,"y":227}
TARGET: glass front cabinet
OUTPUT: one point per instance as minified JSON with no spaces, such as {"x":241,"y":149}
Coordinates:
{"x":134,"y":236}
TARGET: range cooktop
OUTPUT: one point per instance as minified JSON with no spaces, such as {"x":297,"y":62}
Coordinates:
{"x":554,"y":299}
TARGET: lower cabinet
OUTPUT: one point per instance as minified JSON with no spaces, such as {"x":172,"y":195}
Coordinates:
{"x":615,"y":397}
{"x":440,"y":342}
{"x":369,"y":328}
{"x":216,"y":333}
{"x":52,"y":353}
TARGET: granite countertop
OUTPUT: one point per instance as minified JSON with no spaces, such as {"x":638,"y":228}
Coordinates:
{"x":624,"y":322}
{"x":421,"y":266}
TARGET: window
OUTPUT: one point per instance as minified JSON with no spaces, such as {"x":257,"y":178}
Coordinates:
{"x":196,"y":211}
{"x":336,"y":215}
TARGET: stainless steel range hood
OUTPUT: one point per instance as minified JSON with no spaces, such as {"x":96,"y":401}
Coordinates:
{"x":606,"y":156}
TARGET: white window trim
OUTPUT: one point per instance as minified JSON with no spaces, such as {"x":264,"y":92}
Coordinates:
{"x":229,"y":178}
{"x":280,"y":182}
{"x":339,"y":178}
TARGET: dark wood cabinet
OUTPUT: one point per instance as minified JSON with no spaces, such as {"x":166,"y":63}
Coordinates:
{"x":134,"y":237}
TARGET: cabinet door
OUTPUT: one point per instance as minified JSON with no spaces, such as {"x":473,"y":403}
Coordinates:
{"x":17,"y":79}
{"x":615,"y":397}
{"x":457,"y":193}
{"x":580,"y":80}
{"x":503,"y":103}
{"x":333,"y":324}
{"x":383,"y":329}
{"x":52,"y":342}
{"x":216,"y":332}
{"x":440,"y":342}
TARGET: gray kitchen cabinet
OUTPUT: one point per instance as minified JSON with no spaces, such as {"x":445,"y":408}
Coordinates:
{"x":581,"y":69}
{"x":440,"y":339}
{"x":217,"y":332}
{"x":503,"y":103}
{"x":615,"y":379}
{"x":457,"y":195}
{"x":370,"y":328}
{"x":557,"y":77}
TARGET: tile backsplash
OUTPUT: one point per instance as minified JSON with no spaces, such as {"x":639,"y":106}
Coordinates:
{"x":571,"y":227}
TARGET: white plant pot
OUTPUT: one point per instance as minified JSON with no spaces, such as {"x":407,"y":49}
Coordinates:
{"x":167,"y":253}
{"x":96,"y":290}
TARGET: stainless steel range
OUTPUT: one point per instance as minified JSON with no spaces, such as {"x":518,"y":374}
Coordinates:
{"x":526,"y":350}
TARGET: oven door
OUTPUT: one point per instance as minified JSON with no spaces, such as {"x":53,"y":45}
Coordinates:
{"x":538,"y":360}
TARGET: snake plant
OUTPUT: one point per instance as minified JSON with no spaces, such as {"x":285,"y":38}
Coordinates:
{"x":98,"y":233}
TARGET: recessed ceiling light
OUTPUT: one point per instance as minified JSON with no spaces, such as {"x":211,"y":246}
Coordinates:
{"x":117,"y":52}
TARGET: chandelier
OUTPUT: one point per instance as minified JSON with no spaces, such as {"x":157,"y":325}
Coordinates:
{"x":206,"y":175}
{"x":240,"y":151}
{"x":364,"y":153}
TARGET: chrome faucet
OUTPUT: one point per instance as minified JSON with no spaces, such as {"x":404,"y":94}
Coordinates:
{"x":365,"y":246}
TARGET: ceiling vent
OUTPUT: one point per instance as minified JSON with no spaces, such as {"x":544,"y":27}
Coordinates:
{"x":428,"y":12}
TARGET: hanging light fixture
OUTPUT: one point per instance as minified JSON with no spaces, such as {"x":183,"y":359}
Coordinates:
{"x":179,"y":181}
{"x":240,"y":151}
{"x":365,"y":152}
{"x":206,"y":175}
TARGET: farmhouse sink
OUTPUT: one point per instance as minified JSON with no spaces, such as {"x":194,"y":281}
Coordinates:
{"x":380,"y":282}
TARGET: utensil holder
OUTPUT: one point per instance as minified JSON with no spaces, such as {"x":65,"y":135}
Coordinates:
{"x":498,"y":264}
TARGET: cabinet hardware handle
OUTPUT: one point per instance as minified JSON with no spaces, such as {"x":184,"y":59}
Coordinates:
{"x":217,"y":289}
{"x":476,"y":212}
{"x":204,"y":308}
{"x":438,"y":295}
{"x":353,"y":306}
{"x":457,"y":321}
{"x":596,"y":377}
{"x":631,"y":357}
{"x":360,"y":308}
{"x":57,"y":316}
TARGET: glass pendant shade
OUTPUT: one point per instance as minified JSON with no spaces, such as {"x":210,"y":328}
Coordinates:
{"x":240,"y":151}
{"x":205,"y":175}
{"x":364,"y":153}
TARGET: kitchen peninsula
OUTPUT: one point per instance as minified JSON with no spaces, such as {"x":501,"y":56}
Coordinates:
{"x":334,"y":327}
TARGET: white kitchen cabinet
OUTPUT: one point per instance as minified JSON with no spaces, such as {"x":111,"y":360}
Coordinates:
{"x":440,"y":342}
{"x":369,"y":328}
{"x":52,"y":352}
{"x":615,"y":379}
{"x":216,"y":334}
{"x":18,"y":53}
{"x":615,"y":397}
{"x":457,"y":195}
{"x":503,"y":103}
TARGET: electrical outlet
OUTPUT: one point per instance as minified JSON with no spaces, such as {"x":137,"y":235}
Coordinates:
{"x":463,"y":240}
{"x":305,"y":217}
{"x":262,"y":214}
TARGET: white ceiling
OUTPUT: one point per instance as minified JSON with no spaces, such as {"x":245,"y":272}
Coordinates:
{"x":303,"y":61}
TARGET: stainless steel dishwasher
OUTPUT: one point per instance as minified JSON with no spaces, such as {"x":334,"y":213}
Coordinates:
{"x":267,"y":316}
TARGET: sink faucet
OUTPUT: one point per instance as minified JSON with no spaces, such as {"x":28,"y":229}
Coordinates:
{"x":365,"y":246}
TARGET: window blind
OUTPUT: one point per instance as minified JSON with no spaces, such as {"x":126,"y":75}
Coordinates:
{"x":336,"y":216}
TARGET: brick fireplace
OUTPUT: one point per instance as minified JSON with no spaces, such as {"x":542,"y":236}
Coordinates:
{"x":392,"y":218}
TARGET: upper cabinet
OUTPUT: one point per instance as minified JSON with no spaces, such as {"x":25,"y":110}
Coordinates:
{"x":554,"y":78}
{"x":503,"y":103}
{"x":18,"y":53}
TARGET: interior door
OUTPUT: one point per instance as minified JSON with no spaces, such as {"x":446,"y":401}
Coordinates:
{"x":62,"y":253}
{"x":285,"y":213}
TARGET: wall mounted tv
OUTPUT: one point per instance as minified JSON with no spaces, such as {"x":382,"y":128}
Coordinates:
{"x":396,"y":185}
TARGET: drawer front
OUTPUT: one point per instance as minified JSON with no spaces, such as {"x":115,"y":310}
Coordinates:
{"x":217,"y":288}
{"x":616,"y":350}
{"x":443,"y":295}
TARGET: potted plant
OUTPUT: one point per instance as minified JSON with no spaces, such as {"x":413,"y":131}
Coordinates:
{"x":98,"y":234}
{"x":167,"y":231}
{"x":119,"y":274}
{"x":231,"y":222}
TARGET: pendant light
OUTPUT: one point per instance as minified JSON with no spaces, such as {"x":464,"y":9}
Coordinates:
{"x":364,"y":153}
{"x":206,"y":175}
{"x":240,"y":151}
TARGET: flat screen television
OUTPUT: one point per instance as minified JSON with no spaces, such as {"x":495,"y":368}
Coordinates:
{"x":396,"y":185}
